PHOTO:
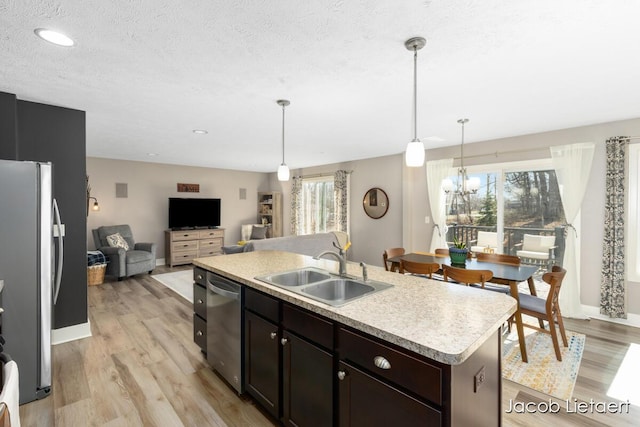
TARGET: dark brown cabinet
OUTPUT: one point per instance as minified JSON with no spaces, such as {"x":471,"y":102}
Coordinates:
{"x":307,"y":385}
{"x":288,"y":373}
{"x":262,"y":361}
{"x":365,"y":401}
{"x":307,"y":370}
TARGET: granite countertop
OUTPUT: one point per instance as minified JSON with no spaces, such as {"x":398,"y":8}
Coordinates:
{"x":446,"y":322}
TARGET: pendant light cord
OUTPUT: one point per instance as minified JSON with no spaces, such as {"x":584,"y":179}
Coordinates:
{"x":283,"y":134}
{"x":415,"y":93}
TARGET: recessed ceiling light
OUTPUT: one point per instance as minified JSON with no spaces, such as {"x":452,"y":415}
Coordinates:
{"x":200,"y":131}
{"x":54,"y":37}
{"x":152,"y":154}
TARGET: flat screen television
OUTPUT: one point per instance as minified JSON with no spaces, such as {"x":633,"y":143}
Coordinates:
{"x":187,"y":213}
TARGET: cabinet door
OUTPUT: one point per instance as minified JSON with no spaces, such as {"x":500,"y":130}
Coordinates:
{"x":368,"y":402}
{"x":262,"y":362}
{"x":307,"y":385}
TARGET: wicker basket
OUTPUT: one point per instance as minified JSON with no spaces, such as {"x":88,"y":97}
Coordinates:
{"x":95,"y":274}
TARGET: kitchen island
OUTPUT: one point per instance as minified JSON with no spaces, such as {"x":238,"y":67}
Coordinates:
{"x":434,"y":347}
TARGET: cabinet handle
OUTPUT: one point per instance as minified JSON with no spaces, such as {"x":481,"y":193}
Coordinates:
{"x":284,"y":341}
{"x":341,"y":375}
{"x":200,"y":277}
{"x":200,"y":301}
{"x":273,"y":335}
{"x":381,"y":362}
{"x":199,"y":333}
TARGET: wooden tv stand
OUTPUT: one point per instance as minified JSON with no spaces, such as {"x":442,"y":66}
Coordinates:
{"x":183,"y":246}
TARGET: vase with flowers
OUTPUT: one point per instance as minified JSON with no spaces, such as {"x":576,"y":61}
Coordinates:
{"x":458,"y":252}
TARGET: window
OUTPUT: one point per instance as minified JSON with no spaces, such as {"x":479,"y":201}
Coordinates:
{"x":513,"y":199}
{"x":318,"y":206}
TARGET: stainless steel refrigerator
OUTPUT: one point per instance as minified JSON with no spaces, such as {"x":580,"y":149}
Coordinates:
{"x":31,"y":267}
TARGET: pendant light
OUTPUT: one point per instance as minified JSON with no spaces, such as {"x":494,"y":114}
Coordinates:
{"x":283,"y":170}
{"x":465,"y":185}
{"x":414,"y":156}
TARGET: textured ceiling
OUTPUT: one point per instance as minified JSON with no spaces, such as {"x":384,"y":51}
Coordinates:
{"x":149,"y":72}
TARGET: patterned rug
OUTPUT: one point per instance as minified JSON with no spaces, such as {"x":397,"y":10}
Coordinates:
{"x":543,"y":372}
{"x":181,"y":282}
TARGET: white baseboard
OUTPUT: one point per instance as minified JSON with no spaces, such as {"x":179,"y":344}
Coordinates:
{"x":71,"y":333}
{"x":594,"y":313}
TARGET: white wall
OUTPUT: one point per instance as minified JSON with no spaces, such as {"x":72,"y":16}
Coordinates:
{"x":369,"y":237}
{"x":592,"y":215}
{"x":151,"y":184}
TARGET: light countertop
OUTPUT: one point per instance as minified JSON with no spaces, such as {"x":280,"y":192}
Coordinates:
{"x":446,"y":322}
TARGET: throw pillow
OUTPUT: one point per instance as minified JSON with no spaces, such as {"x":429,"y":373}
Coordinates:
{"x":117,"y":241}
{"x":258,"y":233}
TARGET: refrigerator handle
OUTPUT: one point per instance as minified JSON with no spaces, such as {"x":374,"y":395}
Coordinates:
{"x":58,"y":224}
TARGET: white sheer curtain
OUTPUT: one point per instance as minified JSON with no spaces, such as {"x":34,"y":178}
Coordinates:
{"x":572,"y":164}
{"x":438,"y":170}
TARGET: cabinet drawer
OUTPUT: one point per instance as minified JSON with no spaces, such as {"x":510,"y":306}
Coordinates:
{"x":210,"y":244}
{"x":262,"y":304}
{"x":184,"y":235}
{"x":367,"y":401}
{"x":184,"y":245}
{"x":200,"y":276}
{"x":308,"y":325}
{"x":184,"y":256}
{"x":200,"y":300}
{"x":415,"y":375}
{"x":204,"y":234}
{"x":209,"y":252}
{"x":200,"y":332}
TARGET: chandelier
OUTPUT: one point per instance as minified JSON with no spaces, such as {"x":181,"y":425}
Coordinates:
{"x":464,"y":185}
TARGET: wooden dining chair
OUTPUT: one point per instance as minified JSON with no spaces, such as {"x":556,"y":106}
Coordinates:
{"x":466,"y":276}
{"x":390,"y":253}
{"x":498,"y":258}
{"x":419,"y":268}
{"x":443,"y":251}
{"x":547,"y":308}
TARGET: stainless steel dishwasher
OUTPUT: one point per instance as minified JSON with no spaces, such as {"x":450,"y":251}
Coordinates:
{"x":224,"y":329}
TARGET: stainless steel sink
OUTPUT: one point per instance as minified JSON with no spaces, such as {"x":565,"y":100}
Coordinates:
{"x":300,"y":277}
{"x":323,"y":286}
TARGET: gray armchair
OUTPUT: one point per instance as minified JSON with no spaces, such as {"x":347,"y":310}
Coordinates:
{"x":139,"y":258}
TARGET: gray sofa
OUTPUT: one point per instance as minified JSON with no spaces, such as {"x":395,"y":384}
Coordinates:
{"x":140,"y":258}
{"x":311,"y":245}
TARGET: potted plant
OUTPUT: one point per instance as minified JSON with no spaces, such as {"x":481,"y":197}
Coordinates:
{"x":458,"y":252}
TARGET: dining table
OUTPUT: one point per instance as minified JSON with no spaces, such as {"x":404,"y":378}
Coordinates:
{"x":503,"y":274}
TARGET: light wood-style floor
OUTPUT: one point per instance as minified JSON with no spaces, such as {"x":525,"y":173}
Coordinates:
{"x":141,"y":368}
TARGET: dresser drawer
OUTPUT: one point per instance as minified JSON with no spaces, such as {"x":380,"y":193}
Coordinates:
{"x":204,"y":234}
{"x":184,"y":235}
{"x":185,"y":245}
{"x":184,"y":256}
{"x":200,"y":300}
{"x":200,"y":332}
{"x":210,"y":243}
{"x":415,"y":375}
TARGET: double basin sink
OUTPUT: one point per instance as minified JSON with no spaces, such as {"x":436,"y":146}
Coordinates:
{"x":323,"y":286}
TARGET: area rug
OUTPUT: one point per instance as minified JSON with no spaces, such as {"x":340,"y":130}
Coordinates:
{"x":543,"y":373}
{"x":181,"y":282}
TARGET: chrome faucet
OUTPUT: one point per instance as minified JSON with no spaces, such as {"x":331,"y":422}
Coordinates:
{"x":365,"y":276}
{"x":341,"y":256}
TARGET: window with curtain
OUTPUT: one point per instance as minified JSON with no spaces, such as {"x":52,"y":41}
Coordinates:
{"x":318,"y":208}
{"x":633,"y":229}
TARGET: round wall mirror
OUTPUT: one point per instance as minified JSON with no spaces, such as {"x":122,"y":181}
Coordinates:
{"x":375,"y":203}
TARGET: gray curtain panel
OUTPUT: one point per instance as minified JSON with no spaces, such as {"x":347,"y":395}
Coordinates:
{"x":296,"y":193}
{"x":613,"y":286}
{"x":341,"y":190}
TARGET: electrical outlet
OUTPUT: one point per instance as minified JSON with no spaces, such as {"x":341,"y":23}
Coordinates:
{"x":427,"y":219}
{"x":478,"y":380}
